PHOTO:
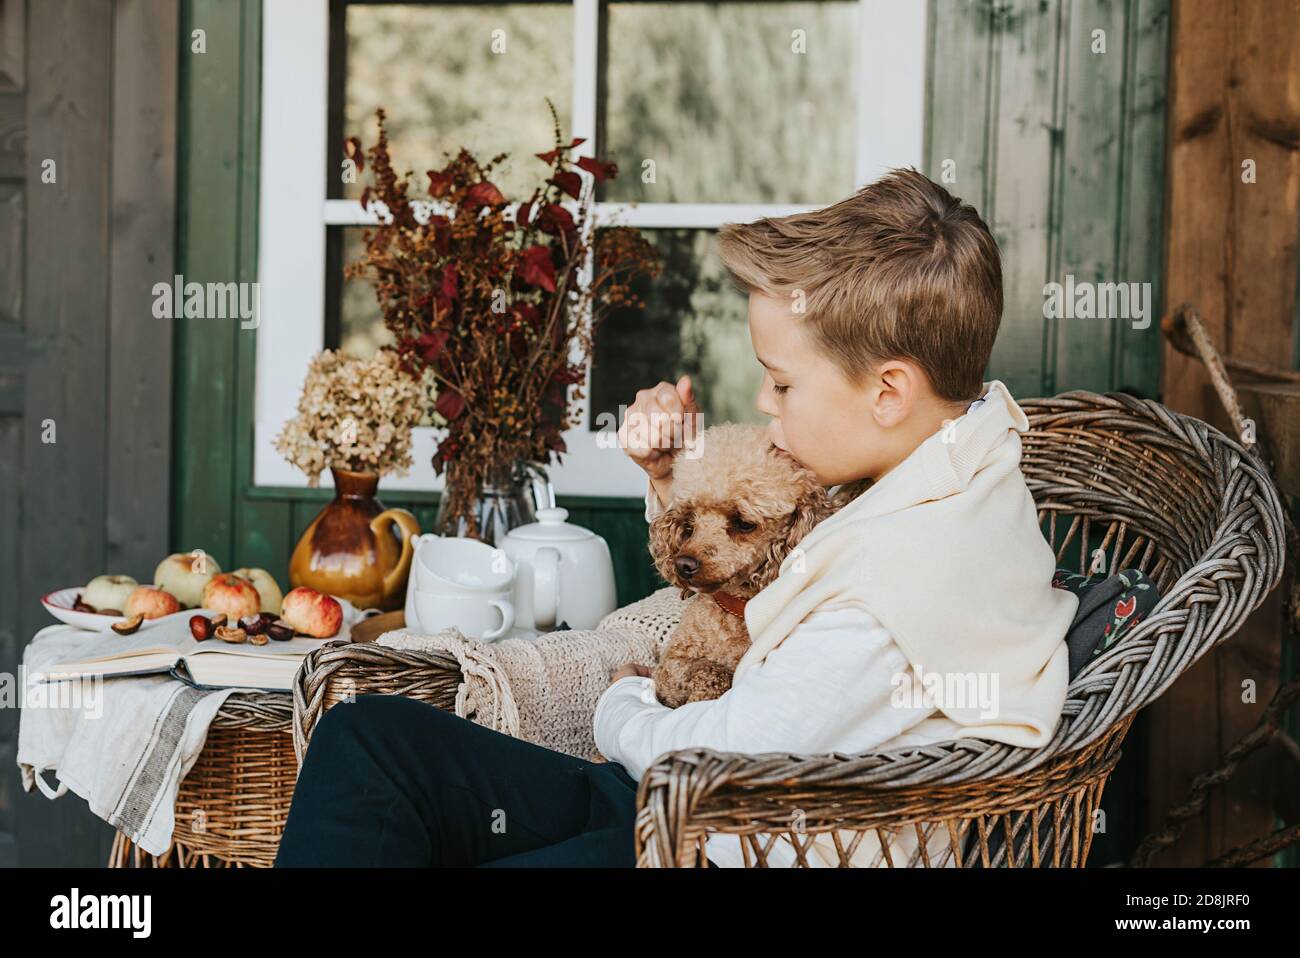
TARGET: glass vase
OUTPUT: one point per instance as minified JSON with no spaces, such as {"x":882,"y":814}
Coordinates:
{"x":507,"y":498}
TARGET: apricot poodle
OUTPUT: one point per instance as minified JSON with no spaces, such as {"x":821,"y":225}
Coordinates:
{"x":738,"y":506}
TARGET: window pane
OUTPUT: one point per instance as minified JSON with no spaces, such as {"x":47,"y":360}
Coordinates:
{"x":717,"y":96}
{"x":694,"y":321}
{"x":361,"y":324}
{"x":434,"y":71}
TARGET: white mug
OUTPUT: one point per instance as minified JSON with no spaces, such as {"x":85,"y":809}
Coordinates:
{"x":476,"y":615}
{"x":453,"y":565}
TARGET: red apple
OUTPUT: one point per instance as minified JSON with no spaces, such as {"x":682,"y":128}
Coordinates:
{"x":312,"y":613}
{"x":231,"y":594}
{"x":151,"y":603}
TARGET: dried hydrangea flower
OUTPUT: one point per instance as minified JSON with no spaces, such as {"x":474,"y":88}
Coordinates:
{"x":354,"y":414}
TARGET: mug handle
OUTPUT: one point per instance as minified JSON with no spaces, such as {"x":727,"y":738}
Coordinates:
{"x":410,"y":527}
{"x":507,"y":611}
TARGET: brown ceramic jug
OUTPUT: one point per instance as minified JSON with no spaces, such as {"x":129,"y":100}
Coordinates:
{"x":355,"y":548}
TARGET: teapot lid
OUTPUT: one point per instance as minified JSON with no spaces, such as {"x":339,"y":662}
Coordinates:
{"x":551,"y":527}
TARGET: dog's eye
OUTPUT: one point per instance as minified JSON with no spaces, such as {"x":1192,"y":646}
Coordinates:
{"x":740,"y":525}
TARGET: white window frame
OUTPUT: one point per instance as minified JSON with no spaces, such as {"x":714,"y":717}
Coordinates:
{"x":294,"y":213}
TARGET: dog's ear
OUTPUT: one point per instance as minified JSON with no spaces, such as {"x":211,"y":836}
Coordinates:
{"x":667,"y":533}
{"x":812,"y":507}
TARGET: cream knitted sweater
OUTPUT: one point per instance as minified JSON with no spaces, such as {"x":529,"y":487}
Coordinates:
{"x":920,"y":612}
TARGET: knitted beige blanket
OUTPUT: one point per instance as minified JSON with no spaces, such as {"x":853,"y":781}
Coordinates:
{"x":545,"y":690}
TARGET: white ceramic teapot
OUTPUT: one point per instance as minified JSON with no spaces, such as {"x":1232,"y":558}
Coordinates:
{"x":565,"y":573}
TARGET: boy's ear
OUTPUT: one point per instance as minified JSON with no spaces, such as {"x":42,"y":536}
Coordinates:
{"x":897,"y":394}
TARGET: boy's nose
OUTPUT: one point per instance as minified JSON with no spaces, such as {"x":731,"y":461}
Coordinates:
{"x":687,"y":566}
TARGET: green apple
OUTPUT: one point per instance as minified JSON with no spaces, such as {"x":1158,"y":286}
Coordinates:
{"x":185,"y":575}
{"x":109,"y":591}
{"x":268,"y":590}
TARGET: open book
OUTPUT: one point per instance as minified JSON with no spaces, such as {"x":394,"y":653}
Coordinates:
{"x":168,"y":648}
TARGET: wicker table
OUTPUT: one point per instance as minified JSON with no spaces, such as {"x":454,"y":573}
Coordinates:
{"x":232,"y":806}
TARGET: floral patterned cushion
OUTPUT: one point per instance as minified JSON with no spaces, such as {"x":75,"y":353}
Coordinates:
{"x":1109,"y":607}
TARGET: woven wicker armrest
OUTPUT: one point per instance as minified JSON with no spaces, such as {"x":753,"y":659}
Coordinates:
{"x":340,"y":671}
{"x":691,"y":793}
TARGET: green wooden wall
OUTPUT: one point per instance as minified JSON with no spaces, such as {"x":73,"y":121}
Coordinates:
{"x":1061,"y":149}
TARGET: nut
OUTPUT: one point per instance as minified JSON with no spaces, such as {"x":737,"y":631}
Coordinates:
{"x":256,"y":624}
{"x":279,"y":631}
{"x":257,"y":638}
{"x":127,"y":626}
{"x":231,"y":634}
{"x":219,"y":620}
{"x":200,"y":627}
{"x":110,"y":611}
{"x":79,"y":606}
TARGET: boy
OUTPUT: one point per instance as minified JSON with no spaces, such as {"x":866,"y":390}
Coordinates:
{"x":923,"y":610}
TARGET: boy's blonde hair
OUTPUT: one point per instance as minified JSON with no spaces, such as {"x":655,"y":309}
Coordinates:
{"x":899,"y":270}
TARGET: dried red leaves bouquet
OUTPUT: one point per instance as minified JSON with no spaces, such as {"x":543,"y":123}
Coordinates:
{"x":490,"y":300}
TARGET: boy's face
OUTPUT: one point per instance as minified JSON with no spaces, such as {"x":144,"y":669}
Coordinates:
{"x":840,"y":430}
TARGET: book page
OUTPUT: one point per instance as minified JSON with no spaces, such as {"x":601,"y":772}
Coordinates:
{"x":297,"y":646}
{"x":171,"y":636}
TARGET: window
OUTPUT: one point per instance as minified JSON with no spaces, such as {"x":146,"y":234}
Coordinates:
{"x":714,"y":112}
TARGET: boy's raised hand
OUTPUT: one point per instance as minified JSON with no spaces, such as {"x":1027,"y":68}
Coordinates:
{"x":655,"y":426}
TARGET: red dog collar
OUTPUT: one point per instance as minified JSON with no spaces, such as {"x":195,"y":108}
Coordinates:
{"x":730,"y":603}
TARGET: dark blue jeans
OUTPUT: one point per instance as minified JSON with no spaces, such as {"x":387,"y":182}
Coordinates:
{"x":389,"y":781}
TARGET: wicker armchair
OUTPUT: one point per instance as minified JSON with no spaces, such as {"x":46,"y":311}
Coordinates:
{"x":1149,"y":488}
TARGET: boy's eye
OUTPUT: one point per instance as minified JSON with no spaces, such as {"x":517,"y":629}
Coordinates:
{"x":740,"y":525}
{"x":779,"y":390}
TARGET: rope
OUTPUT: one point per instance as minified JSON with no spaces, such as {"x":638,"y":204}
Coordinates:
{"x":1268,"y":729}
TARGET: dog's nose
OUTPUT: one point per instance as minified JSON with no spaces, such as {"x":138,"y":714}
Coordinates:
{"x":687,"y":566}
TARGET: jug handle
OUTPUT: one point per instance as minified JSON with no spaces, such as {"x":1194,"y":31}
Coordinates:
{"x":546,"y":587}
{"x":410,"y":527}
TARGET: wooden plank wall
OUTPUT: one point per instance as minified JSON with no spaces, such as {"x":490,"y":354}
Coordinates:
{"x":96,"y":95}
{"x":1061,"y":147}
{"x":1231,"y":250}
{"x":13,"y":123}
